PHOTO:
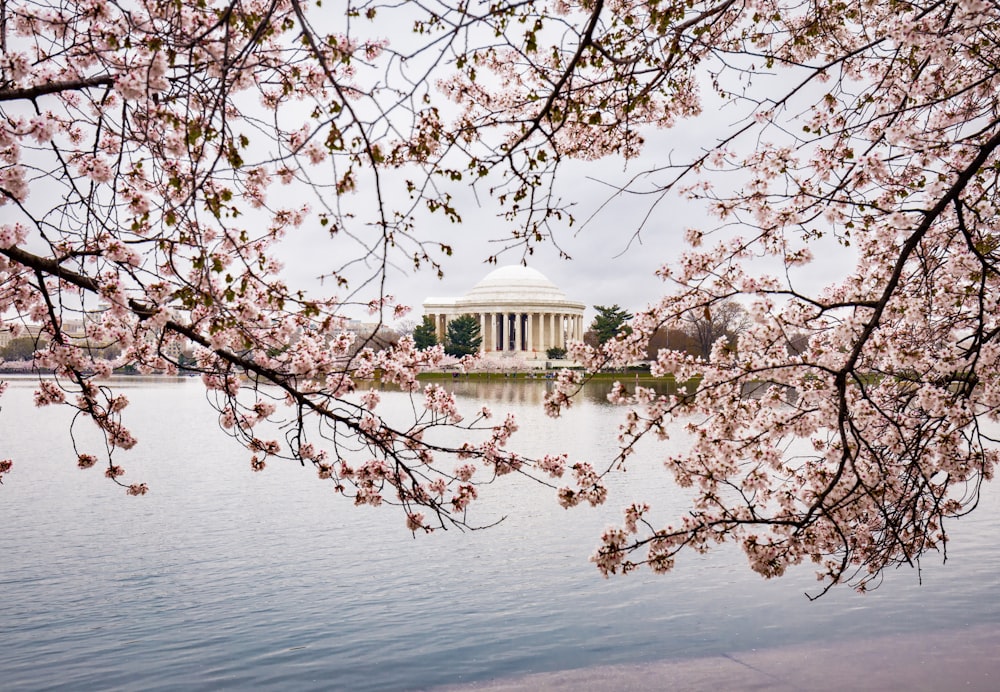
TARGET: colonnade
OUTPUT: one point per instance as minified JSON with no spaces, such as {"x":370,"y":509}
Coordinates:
{"x":531,"y":331}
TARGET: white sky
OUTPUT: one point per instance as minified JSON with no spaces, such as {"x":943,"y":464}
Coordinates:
{"x":609,"y":264}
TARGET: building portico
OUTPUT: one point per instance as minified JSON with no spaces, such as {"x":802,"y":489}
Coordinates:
{"x":519,"y":312}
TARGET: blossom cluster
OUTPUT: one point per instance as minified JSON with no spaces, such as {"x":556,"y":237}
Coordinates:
{"x":158,"y":157}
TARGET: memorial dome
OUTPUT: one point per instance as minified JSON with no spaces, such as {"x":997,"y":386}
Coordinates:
{"x":515,"y":282}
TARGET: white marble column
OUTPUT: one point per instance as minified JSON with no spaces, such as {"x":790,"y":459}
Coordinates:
{"x":531,"y":333}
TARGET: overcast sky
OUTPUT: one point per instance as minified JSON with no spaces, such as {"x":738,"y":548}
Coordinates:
{"x":610,"y":264}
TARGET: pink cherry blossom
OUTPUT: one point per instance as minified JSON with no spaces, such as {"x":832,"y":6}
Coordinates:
{"x":157,"y":165}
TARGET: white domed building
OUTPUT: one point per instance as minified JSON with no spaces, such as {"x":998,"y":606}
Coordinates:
{"x":519,"y":311}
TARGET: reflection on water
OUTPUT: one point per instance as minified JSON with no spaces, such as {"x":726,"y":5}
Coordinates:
{"x":525,"y":389}
{"x":531,"y":390}
{"x":222,"y":578}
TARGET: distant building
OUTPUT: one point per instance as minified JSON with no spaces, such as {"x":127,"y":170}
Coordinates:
{"x":370,"y":334}
{"x":519,"y":311}
{"x":74,"y":333}
{"x":31,"y":331}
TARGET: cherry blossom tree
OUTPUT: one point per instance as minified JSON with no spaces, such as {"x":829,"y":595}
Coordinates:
{"x":157,"y":157}
{"x":881,"y":133}
{"x":150,"y":150}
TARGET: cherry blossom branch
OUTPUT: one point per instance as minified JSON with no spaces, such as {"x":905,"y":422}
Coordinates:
{"x":49,"y":88}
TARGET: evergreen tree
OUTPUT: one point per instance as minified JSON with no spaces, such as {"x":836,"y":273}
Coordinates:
{"x":424,"y":335}
{"x":463,"y":336}
{"x":609,"y":322}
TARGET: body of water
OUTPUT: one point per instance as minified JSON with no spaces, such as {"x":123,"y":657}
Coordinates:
{"x":225,"y":578}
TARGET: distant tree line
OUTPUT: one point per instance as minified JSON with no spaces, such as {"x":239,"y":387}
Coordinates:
{"x":23,"y":348}
{"x":726,"y":320}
